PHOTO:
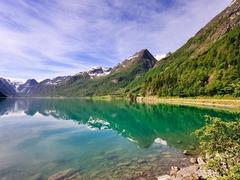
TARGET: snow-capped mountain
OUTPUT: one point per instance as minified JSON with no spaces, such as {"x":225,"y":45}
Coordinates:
{"x":26,"y":87}
{"x":99,"y":71}
{"x":56,"y":81}
{"x":7,"y":87}
{"x":121,"y":74}
{"x":143,"y":56}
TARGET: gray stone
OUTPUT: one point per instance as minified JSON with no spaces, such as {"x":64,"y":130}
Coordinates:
{"x":200,"y":161}
{"x":188,"y":173}
{"x":164,"y":177}
{"x":193,"y":160}
{"x":174,"y":170}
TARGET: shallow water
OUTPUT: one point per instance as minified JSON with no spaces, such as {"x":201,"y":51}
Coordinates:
{"x":97,"y":139}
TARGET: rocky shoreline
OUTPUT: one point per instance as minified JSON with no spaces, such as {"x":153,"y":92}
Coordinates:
{"x":195,"y":171}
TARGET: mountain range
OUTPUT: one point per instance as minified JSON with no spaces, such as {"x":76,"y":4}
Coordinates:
{"x":208,"y":64}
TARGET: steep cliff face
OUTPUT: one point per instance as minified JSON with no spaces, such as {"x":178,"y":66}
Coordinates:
{"x":208,"y":64}
{"x":217,"y":28}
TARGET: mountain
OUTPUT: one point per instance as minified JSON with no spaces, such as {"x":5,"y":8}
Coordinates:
{"x":2,"y":95}
{"x":7,"y":87}
{"x":99,"y":71}
{"x":115,"y":81}
{"x":208,"y":64}
{"x":24,"y":89}
{"x":47,"y":87}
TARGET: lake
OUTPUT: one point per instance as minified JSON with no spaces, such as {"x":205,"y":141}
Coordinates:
{"x":95,"y":139}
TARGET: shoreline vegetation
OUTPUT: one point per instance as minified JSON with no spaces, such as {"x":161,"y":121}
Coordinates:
{"x":219,"y":143}
{"x":225,"y":103}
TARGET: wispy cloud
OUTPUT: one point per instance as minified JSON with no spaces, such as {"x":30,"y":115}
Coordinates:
{"x":45,"y":38}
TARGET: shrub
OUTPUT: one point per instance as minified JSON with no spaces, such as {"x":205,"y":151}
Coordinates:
{"x":220,"y":141}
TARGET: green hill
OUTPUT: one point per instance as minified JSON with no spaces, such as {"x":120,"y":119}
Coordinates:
{"x":208,"y":64}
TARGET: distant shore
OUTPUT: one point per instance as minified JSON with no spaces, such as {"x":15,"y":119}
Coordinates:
{"x":222,"y":103}
{"x":228,"y":103}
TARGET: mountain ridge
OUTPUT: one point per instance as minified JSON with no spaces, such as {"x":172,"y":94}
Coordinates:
{"x":112,"y":78}
{"x":208,"y":64}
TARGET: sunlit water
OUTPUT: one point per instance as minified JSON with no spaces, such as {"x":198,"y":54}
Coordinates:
{"x":97,"y":139}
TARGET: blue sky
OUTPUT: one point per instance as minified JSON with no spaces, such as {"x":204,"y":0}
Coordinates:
{"x":47,"y":38}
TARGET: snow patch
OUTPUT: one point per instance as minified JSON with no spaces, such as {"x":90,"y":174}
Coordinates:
{"x":132,"y":57}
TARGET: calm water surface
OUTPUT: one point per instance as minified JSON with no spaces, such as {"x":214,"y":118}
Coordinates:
{"x":97,"y":139}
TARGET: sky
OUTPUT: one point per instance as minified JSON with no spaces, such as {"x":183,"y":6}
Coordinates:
{"x":47,"y":38}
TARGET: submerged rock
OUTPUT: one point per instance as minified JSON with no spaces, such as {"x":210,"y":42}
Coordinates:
{"x":143,"y":176}
{"x":36,"y":177}
{"x":68,"y":174}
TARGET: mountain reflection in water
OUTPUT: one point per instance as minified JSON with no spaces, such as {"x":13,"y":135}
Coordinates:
{"x":141,"y":124}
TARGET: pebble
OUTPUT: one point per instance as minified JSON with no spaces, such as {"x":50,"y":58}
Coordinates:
{"x":174,"y":170}
{"x":193,"y":160}
{"x":200,"y":161}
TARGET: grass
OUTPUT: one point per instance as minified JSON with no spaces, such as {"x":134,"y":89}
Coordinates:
{"x":230,"y":103}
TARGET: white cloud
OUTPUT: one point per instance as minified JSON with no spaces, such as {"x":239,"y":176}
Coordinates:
{"x":160,"y":56}
{"x":51,"y":38}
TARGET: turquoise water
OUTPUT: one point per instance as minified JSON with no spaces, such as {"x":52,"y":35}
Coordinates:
{"x":96,"y":139}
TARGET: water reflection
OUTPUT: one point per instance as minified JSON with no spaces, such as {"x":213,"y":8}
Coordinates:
{"x":141,"y":124}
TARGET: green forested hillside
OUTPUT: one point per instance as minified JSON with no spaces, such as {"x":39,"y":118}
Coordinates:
{"x":208,"y":64}
{"x":216,"y":71}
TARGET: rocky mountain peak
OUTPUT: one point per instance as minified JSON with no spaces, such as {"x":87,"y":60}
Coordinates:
{"x":31,"y":82}
{"x":144,"y":53}
{"x":99,"y":71}
{"x":143,"y":56}
{"x":27,"y":86}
